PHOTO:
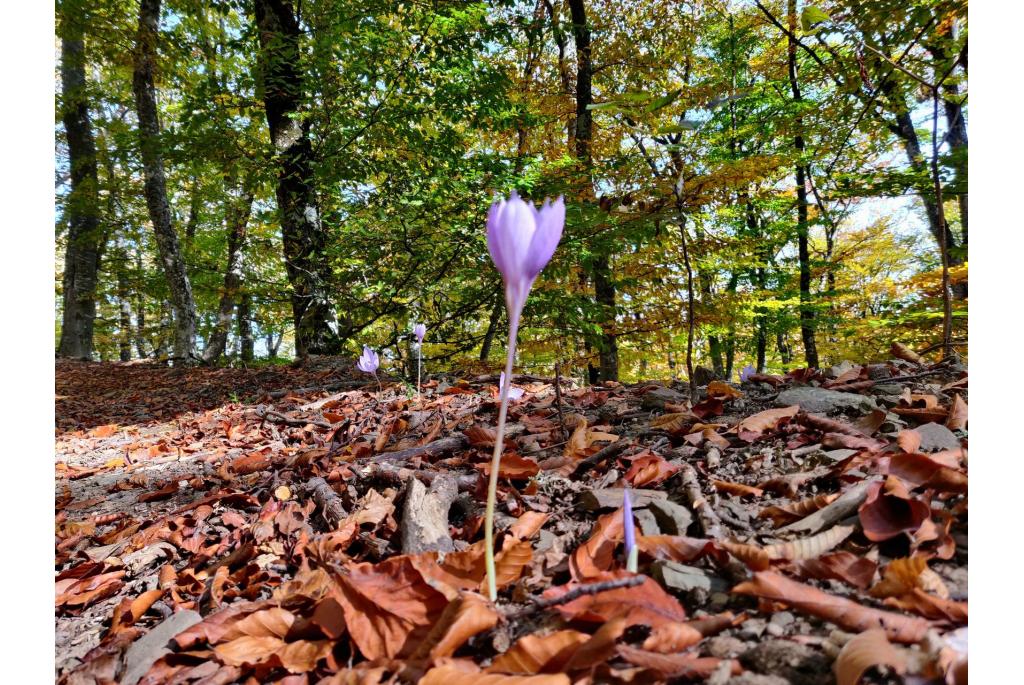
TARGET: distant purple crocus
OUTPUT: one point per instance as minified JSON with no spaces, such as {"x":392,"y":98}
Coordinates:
{"x":419,"y":330}
{"x":629,"y":532}
{"x":369,"y":362}
{"x":521,"y":239}
{"x":746,"y":372}
{"x":513,"y":393}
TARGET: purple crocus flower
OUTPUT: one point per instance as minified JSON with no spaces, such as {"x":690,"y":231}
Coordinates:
{"x":746,"y":372}
{"x":419,"y":330}
{"x":513,"y":393}
{"x":629,"y":532}
{"x":369,"y":361}
{"x":521,"y":239}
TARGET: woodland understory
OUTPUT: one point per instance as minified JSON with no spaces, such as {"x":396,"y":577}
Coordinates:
{"x":300,"y":525}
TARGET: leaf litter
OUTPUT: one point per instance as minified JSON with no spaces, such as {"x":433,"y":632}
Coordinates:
{"x":270,"y":505}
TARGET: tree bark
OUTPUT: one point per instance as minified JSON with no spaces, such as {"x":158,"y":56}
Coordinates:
{"x":604,"y":283}
{"x":492,"y":327}
{"x":82,"y":255}
{"x":238,"y":221}
{"x":246,"y":344}
{"x":155,"y":187}
{"x":124,"y":331}
{"x":802,"y":227}
{"x":302,"y":232}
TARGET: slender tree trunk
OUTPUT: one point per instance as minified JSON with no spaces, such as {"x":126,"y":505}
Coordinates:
{"x":802,"y":227}
{"x":492,"y":327}
{"x":155,"y":188}
{"x":140,"y":309}
{"x":301,"y":229}
{"x":238,"y":220}
{"x":124,"y":330}
{"x":82,"y":255}
{"x":604,"y":283}
{"x":785,"y":351}
{"x":246,"y":346}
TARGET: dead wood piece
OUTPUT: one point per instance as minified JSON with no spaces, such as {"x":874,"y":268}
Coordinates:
{"x":327,"y":501}
{"x":430,"y":450}
{"x":399,"y":474}
{"x":278,"y":417}
{"x":608,"y":452}
{"x":424,"y":525}
{"x":844,"y":506}
{"x":706,"y":514}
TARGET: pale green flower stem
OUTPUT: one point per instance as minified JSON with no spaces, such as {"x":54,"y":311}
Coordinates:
{"x":499,"y":440}
{"x":419,"y":368}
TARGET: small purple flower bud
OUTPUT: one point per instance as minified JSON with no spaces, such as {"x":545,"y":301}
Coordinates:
{"x":522,"y":240}
{"x":747,"y":372}
{"x":419,"y":330}
{"x":369,"y":361}
{"x":513,"y":393}
{"x":629,"y":532}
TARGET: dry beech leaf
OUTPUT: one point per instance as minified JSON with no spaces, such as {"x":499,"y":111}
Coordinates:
{"x":901,"y":576}
{"x":847,"y":567}
{"x":509,"y":563}
{"x":909,"y":440}
{"x":449,"y":674}
{"x":597,"y":554}
{"x":646,"y":604}
{"x":531,"y":653}
{"x":788,"y":513}
{"x":683,"y":665}
{"x":737,"y":489}
{"x":866,"y":650}
{"x":672,"y":637}
{"x":248,"y":649}
{"x":901,"y":351}
{"x":463,"y":618}
{"x":889,"y":511}
{"x":722,"y":390}
{"x":675,"y":422}
{"x":752,"y":427}
{"x":676,"y":547}
{"x":384,"y":603}
{"x":845,"y":613}
{"x":649,"y":469}
{"x":595,"y":650}
{"x":920,"y":470}
{"x":480,"y":436}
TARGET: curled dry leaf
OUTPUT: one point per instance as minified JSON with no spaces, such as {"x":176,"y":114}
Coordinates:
{"x":844,"y":566}
{"x":463,"y":618}
{"x":677,"y":547}
{"x":676,"y":422}
{"x":909,"y":440}
{"x":864,"y":651}
{"x":595,"y":650}
{"x":685,"y":665}
{"x":901,"y":351}
{"x":737,"y":489}
{"x":889,"y":511}
{"x":649,"y":469}
{"x":449,"y":674}
{"x":532,"y":653}
{"x":845,"y":613}
{"x":790,"y":483}
{"x":672,"y":637}
{"x":597,"y":554}
{"x":512,"y":466}
{"x":480,"y":436}
{"x":752,"y":427}
{"x":722,"y":390}
{"x":957,"y":420}
{"x":900,"y":576}
{"x":920,"y":470}
{"x":852,"y":442}
{"x":788,"y":513}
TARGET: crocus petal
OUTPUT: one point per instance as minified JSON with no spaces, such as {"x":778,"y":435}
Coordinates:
{"x":510,"y":231}
{"x":629,"y":533}
{"x":550,"y":221}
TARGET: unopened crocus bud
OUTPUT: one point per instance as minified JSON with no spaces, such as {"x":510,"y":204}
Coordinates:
{"x":629,"y":532}
{"x":368,"y":361}
{"x":747,"y":372}
{"x":513,"y":393}
{"x":419,"y":330}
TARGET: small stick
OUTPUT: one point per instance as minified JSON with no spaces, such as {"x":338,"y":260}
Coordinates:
{"x":431,"y":449}
{"x":707,"y":516}
{"x":605,"y":453}
{"x":540,"y":604}
{"x":327,"y":500}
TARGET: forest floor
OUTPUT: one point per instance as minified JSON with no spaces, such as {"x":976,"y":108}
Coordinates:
{"x":297,"y":525}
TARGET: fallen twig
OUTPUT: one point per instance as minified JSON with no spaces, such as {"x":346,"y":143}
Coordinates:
{"x":327,"y":501}
{"x":607,"y":452}
{"x":430,"y":450}
{"x":706,"y":514}
{"x":540,"y":604}
{"x":278,"y":417}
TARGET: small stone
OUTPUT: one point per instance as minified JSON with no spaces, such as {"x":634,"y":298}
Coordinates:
{"x":782,"y":618}
{"x":890,"y":389}
{"x":839,"y":455}
{"x":775,"y":630}
{"x":749,"y":678}
{"x":718,"y":600}
{"x":702,"y":375}
{"x":682,"y":578}
{"x":822,"y":401}
{"x":659,"y":397}
{"x":647,"y":522}
{"x":672,"y":518}
{"x":611,"y":498}
{"x":936,"y":437}
{"x":751,"y":629}
{"x":797,"y":663}
{"x":147,"y":649}
{"x":726,"y":646}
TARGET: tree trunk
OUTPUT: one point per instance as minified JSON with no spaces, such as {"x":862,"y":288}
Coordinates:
{"x":302,"y":232}
{"x":238,"y":220}
{"x":124,"y":331}
{"x":82,"y":255}
{"x":492,"y":327}
{"x":802,"y":227}
{"x":246,"y":345}
{"x":604,"y":283}
{"x":140,"y":310}
{"x":155,"y":188}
